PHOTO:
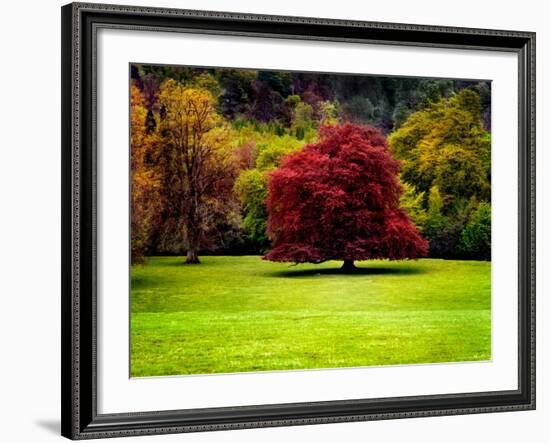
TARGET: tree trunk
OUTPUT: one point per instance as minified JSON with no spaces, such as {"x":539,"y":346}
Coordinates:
{"x":348,"y":266}
{"x":192,"y":257}
{"x":193,"y":240}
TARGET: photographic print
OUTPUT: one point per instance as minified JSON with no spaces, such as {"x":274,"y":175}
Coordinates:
{"x":286,"y":220}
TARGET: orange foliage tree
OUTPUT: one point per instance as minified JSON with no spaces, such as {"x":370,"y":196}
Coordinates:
{"x":144,"y":177}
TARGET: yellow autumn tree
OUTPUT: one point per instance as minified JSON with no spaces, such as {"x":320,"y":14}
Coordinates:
{"x":446,"y":145}
{"x":198,"y":161}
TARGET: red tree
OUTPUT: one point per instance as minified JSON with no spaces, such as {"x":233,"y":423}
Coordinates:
{"x":338,"y":199}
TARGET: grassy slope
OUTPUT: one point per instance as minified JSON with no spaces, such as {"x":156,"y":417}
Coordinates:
{"x":243,"y":314}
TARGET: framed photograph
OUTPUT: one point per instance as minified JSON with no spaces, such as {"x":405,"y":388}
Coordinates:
{"x":273,"y":221}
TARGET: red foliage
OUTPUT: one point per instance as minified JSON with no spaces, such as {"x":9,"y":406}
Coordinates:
{"x":338,"y":199}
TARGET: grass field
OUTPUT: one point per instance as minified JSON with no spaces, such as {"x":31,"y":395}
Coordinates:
{"x":239,"y":314}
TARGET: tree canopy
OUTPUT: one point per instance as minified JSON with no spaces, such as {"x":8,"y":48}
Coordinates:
{"x":339,"y":199}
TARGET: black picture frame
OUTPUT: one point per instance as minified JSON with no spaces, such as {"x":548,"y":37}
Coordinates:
{"x":79,"y":171}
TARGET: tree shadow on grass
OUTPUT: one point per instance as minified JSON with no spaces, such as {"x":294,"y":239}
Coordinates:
{"x":358,"y":272}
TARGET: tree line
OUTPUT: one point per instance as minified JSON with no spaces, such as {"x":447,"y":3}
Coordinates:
{"x":205,"y":141}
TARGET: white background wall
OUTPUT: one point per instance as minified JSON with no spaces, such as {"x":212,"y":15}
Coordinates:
{"x":30,"y":220}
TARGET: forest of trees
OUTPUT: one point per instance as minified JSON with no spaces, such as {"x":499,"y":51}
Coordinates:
{"x":204,"y":143}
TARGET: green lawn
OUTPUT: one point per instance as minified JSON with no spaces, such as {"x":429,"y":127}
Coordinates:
{"x":239,"y":314}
